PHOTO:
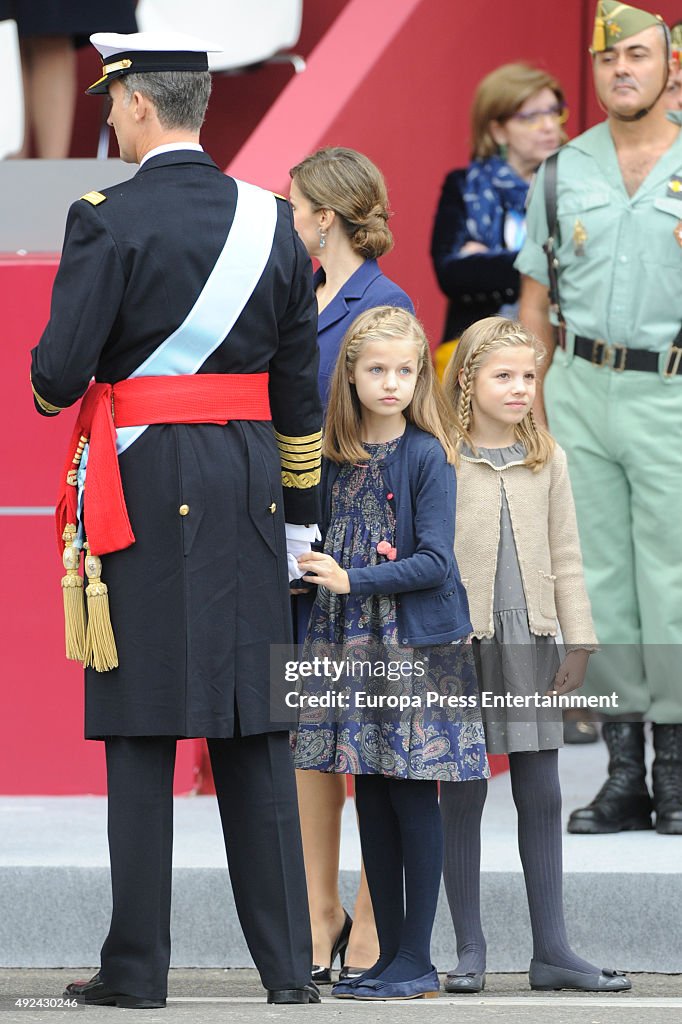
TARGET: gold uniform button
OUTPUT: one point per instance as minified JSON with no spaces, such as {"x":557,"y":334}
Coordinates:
{"x":184,"y":510}
{"x":273,"y":507}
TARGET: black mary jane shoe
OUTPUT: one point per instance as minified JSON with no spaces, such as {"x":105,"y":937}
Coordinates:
{"x":310,"y":993}
{"x":460,"y":983}
{"x":96,"y":993}
{"x":323,"y":975}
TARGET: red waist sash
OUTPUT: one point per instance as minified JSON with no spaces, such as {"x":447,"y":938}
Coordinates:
{"x":196,"y":398}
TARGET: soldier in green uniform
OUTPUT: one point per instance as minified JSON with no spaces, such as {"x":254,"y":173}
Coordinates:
{"x":613,"y":396}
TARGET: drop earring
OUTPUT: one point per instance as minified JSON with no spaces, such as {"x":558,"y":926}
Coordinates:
{"x":323,"y":238}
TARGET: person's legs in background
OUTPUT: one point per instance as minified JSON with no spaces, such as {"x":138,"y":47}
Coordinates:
{"x":321,"y":800}
{"x":49,"y":71}
{"x":583,"y":402}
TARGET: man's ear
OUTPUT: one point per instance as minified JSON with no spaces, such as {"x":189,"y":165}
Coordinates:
{"x":141,"y":106}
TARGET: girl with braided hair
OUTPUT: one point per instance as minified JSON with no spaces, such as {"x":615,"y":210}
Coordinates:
{"x":518,"y":548}
{"x":389,"y":613}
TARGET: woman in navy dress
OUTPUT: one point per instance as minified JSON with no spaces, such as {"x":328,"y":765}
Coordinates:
{"x":340,"y":206}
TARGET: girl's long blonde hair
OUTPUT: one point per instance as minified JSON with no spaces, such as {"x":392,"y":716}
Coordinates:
{"x":428,"y":410}
{"x":475,"y":345}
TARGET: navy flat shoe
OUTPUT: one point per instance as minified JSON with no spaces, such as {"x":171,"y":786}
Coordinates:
{"x":426,"y":987}
{"x":545,"y":977}
{"x":470,"y":982}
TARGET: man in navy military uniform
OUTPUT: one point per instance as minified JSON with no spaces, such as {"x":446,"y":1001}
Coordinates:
{"x":188,"y":297}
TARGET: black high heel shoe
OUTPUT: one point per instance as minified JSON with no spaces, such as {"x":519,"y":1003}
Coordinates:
{"x":323,"y":975}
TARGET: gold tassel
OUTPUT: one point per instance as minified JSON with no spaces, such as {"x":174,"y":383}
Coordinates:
{"x":100,"y":646}
{"x":599,"y":37}
{"x":74,"y":603}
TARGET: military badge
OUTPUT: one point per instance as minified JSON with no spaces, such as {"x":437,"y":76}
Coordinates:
{"x":579,"y":238}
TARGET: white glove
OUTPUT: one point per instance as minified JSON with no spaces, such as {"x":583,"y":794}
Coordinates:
{"x":299,"y":540}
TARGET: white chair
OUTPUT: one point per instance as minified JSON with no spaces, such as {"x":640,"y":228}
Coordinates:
{"x":11,"y":91}
{"x":250,"y":31}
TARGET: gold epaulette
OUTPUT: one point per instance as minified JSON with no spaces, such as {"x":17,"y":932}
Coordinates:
{"x":301,"y":459}
{"x":94,"y":198}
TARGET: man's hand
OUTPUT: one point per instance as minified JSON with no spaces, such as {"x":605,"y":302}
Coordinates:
{"x":327,"y":572}
{"x":571,"y":674}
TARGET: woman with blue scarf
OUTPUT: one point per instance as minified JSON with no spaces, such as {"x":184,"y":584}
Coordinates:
{"x":516,"y":120}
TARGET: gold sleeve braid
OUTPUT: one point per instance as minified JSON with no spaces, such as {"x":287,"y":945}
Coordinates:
{"x":301,"y":459}
{"x":46,"y":406}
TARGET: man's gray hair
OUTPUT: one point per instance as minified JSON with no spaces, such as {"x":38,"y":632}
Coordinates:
{"x":180,"y":97}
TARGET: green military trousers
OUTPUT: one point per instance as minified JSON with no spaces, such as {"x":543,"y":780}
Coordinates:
{"x":622,"y":433}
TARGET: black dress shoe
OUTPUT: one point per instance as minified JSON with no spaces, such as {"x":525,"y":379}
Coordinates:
{"x":96,"y":993}
{"x":310,"y":993}
{"x":323,"y":975}
{"x":623,"y":803}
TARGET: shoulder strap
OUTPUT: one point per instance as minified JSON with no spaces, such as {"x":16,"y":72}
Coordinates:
{"x":551,"y":246}
{"x":550,"y":195}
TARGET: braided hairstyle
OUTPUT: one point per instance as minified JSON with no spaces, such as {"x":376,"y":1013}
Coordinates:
{"x":428,"y":410}
{"x":475,"y":345}
{"x":347,"y":182}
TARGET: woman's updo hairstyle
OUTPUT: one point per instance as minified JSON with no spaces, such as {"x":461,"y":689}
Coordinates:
{"x":347,"y":182}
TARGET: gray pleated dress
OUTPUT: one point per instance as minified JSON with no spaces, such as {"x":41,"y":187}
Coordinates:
{"x":515,"y":661}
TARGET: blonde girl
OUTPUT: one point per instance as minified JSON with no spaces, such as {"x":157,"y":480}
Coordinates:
{"x":389,"y":594}
{"x":517,"y":545}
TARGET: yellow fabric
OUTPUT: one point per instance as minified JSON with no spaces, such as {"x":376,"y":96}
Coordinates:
{"x":442,"y":356}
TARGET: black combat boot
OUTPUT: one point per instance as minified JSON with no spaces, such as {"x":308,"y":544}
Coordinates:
{"x":623,"y":803}
{"x":668,"y":779}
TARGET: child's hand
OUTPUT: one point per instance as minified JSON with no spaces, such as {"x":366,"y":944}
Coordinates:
{"x":571,"y":674}
{"x":327,"y":572}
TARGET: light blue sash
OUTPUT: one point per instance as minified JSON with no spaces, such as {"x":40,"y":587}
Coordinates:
{"x":229,"y":287}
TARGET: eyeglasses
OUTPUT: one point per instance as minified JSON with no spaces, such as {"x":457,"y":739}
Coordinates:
{"x":558,"y":114}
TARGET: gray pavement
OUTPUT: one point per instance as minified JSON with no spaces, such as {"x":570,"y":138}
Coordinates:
{"x":225,"y":996}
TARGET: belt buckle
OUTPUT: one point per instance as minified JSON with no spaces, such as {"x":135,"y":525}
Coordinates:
{"x":672,"y":363}
{"x":614,"y":356}
{"x":599,"y":358}
{"x":619,"y":354}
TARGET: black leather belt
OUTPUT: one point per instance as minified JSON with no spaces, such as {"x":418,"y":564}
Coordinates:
{"x":619,"y":357}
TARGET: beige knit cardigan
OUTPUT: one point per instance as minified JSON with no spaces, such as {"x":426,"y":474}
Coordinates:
{"x":546,"y":536}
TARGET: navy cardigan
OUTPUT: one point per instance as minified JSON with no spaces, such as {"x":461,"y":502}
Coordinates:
{"x":431,"y":601}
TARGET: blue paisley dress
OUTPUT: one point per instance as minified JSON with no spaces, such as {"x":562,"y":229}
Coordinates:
{"x":388,"y":724}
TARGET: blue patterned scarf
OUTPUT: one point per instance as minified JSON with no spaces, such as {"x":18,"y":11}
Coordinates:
{"x":495,"y":198}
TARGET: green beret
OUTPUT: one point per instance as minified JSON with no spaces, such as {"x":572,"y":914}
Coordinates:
{"x":614,"y":22}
